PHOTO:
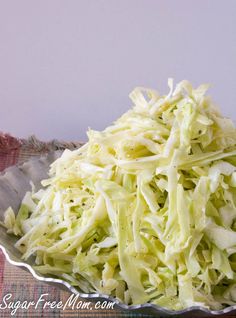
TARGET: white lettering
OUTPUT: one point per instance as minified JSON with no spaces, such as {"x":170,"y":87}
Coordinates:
{"x":6,"y":297}
{"x":71,"y":301}
{"x":41,"y":299}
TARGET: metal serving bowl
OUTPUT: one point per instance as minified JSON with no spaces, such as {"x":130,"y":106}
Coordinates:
{"x":14,"y":182}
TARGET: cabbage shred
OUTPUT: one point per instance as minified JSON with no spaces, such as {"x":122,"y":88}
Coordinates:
{"x":145,"y":211}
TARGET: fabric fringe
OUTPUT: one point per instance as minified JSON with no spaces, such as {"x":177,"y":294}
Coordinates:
{"x":7,"y":142}
{"x":34,"y":143}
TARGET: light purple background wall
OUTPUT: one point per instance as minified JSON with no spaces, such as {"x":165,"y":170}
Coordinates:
{"x":66,"y":65}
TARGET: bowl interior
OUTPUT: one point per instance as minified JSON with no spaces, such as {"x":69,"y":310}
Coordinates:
{"x":14,"y":183}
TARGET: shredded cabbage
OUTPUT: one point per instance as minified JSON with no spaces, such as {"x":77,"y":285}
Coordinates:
{"x":145,"y":211}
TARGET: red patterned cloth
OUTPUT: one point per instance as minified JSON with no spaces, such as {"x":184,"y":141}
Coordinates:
{"x":9,"y":150}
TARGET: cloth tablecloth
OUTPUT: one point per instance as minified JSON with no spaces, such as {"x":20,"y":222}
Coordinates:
{"x":20,"y":283}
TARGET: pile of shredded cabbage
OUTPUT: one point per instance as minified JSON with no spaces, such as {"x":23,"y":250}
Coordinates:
{"x":145,"y":211}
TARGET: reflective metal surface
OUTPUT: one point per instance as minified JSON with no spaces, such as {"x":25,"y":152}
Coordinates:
{"x":14,"y":182}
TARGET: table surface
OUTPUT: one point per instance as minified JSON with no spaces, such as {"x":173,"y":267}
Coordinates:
{"x":21,"y":284}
